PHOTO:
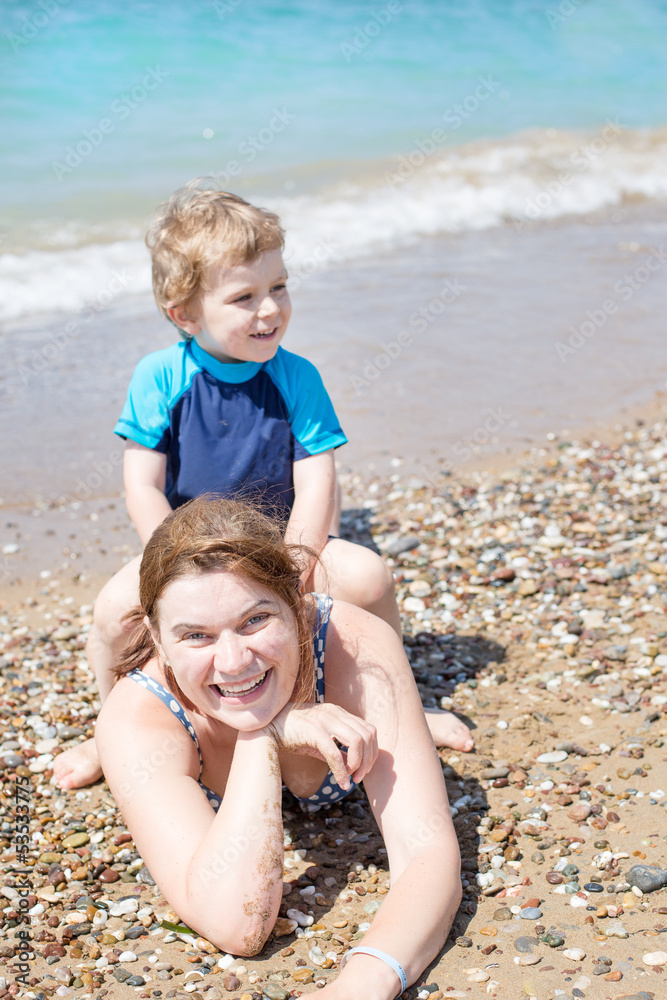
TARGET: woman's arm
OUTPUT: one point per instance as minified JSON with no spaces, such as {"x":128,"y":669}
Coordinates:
{"x":367,"y":668}
{"x":221,"y":872}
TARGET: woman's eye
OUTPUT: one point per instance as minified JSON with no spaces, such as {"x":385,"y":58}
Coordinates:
{"x":256,"y":619}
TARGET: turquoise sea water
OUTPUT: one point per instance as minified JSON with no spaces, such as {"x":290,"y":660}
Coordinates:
{"x":472,"y":108}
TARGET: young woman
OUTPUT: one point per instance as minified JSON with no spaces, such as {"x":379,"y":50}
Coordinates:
{"x":237,"y":683}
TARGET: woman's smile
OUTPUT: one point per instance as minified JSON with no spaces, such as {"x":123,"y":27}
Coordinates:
{"x":243,"y":691}
{"x":232,"y":646}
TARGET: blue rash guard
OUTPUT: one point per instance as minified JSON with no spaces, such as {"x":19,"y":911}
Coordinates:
{"x":230,"y":429}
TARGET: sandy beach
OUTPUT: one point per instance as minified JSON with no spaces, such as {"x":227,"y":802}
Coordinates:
{"x":533,"y":602}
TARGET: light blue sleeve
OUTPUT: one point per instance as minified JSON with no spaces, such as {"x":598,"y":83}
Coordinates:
{"x":312,"y":417}
{"x":159,"y":380}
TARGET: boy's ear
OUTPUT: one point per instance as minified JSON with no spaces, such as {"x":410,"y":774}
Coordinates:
{"x":182,"y":317}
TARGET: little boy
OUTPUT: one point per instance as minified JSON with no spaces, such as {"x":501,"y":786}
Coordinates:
{"x":229,"y":411}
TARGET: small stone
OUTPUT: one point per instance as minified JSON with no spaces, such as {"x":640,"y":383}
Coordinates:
{"x":655,"y":958}
{"x":527,"y":588}
{"x":275,"y":992}
{"x":303,"y":975}
{"x":580,"y":812}
{"x":554,"y":878}
{"x":553,"y":940}
{"x":479,"y":977}
{"x":528,"y":959}
{"x":75,"y":840}
{"x":403,"y":543}
{"x":525,"y":945}
{"x":614,"y":977}
{"x":615,"y":929}
{"x":464,"y":942}
{"x":575,"y":954}
{"x":231,"y":983}
{"x":108,"y":875}
{"x":530,"y":913}
{"x":593,"y":887}
{"x":284,"y":926}
{"x":553,"y":757}
{"x":648,"y":878}
{"x":504,"y":913}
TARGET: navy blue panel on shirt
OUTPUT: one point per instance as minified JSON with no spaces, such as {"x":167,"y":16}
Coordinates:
{"x":231,"y":439}
{"x":229,"y":429}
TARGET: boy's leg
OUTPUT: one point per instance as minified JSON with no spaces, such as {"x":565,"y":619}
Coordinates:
{"x":106,"y":642}
{"x":353,"y":573}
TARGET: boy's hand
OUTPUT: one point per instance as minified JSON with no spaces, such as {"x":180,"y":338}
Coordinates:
{"x":321,"y":731}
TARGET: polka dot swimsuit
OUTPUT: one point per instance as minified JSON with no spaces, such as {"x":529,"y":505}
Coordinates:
{"x":329,"y":791}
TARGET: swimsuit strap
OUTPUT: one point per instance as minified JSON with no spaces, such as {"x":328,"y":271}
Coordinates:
{"x":324,"y":603}
{"x":167,"y":698}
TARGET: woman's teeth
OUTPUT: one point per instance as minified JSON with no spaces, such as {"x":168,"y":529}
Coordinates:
{"x":244,"y":688}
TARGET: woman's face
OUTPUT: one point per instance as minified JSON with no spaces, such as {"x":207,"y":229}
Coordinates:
{"x":232,"y":644}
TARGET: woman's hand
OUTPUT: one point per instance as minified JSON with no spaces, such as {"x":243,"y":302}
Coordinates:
{"x":320,"y":731}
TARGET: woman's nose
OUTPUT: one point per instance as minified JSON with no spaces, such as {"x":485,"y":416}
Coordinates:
{"x":232,"y":655}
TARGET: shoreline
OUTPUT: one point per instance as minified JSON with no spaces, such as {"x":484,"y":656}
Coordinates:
{"x":82,"y":543}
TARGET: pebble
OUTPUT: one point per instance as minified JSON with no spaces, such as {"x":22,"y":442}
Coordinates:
{"x":530,"y":913}
{"x":553,"y":757}
{"x":655,"y":958}
{"x":648,"y":878}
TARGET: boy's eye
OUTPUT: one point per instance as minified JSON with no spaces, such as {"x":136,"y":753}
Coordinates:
{"x":195,"y":636}
{"x":244,"y":298}
{"x":280,"y":287}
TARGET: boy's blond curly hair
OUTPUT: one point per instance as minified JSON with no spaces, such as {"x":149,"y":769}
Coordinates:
{"x":200,"y":227}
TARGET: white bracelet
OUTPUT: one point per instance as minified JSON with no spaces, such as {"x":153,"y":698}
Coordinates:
{"x":384,"y":957}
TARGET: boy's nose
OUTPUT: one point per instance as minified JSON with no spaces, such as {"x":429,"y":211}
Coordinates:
{"x":268,"y":307}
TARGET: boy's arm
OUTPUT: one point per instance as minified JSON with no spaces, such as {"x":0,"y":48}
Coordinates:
{"x":314,"y":492}
{"x":145,"y":476}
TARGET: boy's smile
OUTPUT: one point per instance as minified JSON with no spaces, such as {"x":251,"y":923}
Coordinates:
{"x":244,"y":313}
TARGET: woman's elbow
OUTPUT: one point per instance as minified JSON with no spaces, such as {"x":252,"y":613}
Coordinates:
{"x":246,"y":938}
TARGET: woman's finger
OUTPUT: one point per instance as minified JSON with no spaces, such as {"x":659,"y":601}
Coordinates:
{"x":335,"y":759}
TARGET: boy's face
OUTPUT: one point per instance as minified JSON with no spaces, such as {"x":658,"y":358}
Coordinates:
{"x":244,"y":315}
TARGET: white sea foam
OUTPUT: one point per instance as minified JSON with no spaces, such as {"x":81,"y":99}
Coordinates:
{"x":525,"y":180}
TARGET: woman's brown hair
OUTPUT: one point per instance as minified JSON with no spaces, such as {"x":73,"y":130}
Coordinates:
{"x":207,"y":534}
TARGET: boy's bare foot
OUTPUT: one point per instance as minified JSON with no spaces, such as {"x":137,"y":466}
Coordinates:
{"x":77,"y":767}
{"x":448,"y":731}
